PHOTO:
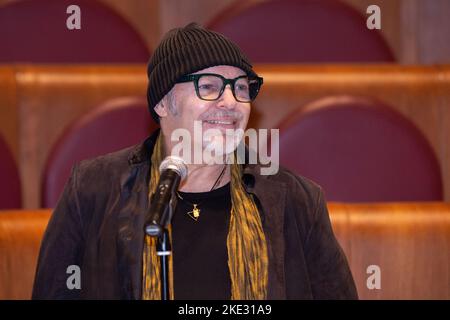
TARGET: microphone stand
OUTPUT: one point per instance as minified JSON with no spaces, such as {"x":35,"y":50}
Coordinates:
{"x":164,"y":248}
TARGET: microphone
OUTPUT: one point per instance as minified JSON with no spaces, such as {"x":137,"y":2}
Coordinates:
{"x":173,"y":170}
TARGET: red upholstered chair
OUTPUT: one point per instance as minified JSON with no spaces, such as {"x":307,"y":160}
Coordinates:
{"x":292,"y":31}
{"x":35,"y":31}
{"x":360,"y":150}
{"x":10,"y":194}
{"x":117,"y":124}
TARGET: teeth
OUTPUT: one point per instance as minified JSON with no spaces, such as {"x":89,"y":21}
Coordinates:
{"x":219,"y":122}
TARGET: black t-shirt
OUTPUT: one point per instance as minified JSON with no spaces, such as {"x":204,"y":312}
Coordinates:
{"x":200,"y":257}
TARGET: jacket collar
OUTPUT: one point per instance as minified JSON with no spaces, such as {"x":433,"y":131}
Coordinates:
{"x":270,"y":196}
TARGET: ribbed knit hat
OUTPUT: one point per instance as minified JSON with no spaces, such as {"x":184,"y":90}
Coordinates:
{"x":187,"y":50}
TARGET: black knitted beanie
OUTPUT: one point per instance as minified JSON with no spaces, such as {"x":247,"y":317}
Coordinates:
{"x":187,"y":50}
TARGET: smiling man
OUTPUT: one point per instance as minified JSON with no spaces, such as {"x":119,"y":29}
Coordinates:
{"x":236,"y":234}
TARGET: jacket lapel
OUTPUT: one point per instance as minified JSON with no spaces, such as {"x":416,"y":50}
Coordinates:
{"x":130,"y":238}
{"x":131,"y":219}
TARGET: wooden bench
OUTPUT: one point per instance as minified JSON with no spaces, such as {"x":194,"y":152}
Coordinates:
{"x":408,"y":242}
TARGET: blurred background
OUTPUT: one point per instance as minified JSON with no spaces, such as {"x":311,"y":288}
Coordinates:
{"x":360,"y":90}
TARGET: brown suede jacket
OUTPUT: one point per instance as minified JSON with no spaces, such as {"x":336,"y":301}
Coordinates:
{"x":98,"y":225}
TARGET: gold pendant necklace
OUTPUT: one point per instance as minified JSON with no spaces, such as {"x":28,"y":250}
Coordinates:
{"x":195,"y":212}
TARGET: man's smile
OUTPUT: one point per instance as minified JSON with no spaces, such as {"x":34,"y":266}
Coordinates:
{"x":222,"y":123}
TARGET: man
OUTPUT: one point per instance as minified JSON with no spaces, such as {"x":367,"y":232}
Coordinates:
{"x":236,"y":233}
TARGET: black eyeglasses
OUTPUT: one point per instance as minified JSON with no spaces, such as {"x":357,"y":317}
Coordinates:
{"x":210,"y":86}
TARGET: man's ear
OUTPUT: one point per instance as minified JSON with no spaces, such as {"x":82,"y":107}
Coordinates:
{"x":161,"y":108}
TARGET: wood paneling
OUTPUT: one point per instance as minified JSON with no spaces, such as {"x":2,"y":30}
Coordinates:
{"x":409,"y":242}
{"x":20,"y":239}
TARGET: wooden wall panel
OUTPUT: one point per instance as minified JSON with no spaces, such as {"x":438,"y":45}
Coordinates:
{"x":409,"y":242}
{"x":20,"y":239}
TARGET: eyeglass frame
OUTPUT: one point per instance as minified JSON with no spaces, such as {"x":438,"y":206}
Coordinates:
{"x":195,"y":77}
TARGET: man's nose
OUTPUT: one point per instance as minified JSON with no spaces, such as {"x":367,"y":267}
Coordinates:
{"x":227,"y":99}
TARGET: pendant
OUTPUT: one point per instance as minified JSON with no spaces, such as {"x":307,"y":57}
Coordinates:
{"x":195,"y":213}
